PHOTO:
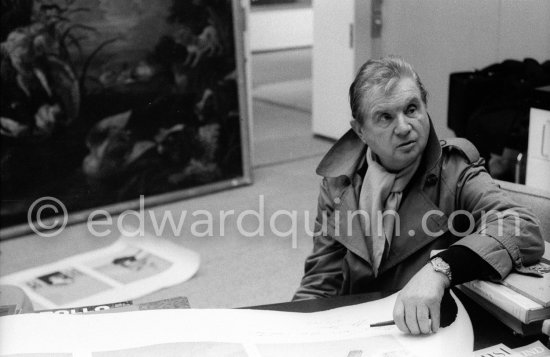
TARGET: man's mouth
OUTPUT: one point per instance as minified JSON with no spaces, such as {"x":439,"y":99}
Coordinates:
{"x":406,"y":144}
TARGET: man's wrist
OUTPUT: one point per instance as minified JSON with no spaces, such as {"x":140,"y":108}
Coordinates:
{"x":466,"y":264}
{"x":443,"y":268}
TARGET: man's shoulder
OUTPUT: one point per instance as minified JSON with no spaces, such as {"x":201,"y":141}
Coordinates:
{"x":460,"y":146}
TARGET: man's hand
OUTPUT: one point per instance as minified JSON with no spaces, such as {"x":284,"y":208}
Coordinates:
{"x":420,"y":301}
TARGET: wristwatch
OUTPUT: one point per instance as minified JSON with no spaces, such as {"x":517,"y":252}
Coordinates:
{"x":441,"y":266}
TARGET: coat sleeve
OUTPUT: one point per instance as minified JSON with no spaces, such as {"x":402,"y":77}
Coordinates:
{"x":506,"y":235}
{"x":323,"y":267}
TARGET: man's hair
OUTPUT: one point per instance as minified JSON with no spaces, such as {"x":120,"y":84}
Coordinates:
{"x":381,"y":74}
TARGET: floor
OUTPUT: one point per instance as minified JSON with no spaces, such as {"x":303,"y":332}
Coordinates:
{"x":235,"y":270}
{"x":282,"y":108}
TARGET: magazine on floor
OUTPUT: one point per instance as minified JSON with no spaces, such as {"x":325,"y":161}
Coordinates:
{"x":128,"y":269}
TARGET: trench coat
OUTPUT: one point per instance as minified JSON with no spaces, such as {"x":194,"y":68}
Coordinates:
{"x":444,"y":204}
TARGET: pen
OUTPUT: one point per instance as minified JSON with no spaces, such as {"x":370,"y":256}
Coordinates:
{"x":383,"y":323}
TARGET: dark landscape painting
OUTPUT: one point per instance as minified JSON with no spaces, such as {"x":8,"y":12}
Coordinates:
{"x":103,"y":101}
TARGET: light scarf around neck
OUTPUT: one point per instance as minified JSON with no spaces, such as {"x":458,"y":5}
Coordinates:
{"x":380,"y":197}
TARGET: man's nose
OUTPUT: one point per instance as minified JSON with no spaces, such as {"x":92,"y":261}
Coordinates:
{"x":402,"y":127}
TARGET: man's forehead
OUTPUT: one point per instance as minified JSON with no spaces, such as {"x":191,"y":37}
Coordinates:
{"x":402,"y":93}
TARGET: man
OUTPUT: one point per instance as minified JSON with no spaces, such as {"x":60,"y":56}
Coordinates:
{"x":393,"y":194}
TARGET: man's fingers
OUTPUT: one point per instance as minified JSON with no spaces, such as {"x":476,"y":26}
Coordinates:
{"x":411,"y":319}
{"x":435,"y":315}
{"x":399,"y":316}
{"x":422,"y":316}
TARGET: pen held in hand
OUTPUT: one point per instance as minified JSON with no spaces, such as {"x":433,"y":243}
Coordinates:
{"x":383,"y":323}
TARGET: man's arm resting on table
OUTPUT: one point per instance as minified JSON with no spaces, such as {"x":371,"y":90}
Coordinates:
{"x":507,"y":236}
{"x":417,"y":308}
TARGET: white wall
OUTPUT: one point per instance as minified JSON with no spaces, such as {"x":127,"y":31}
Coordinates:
{"x":333,"y":66}
{"x":280,"y":28}
{"x":524,"y":29}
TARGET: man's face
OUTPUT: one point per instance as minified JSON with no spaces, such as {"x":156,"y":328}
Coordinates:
{"x":396,"y":125}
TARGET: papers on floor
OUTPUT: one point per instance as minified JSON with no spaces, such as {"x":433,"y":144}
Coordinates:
{"x":129,"y":268}
{"x":238,"y":333}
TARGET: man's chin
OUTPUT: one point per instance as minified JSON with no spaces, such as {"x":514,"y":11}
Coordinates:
{"x":406,"y":159}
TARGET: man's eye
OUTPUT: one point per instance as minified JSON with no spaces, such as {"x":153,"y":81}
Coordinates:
{"x":385,"y":117}
{"x":411,"y":109}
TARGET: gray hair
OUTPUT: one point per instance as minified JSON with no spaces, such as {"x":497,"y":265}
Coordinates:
{"x":382,"y":74}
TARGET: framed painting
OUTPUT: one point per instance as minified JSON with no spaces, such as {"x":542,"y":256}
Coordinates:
{"x":104,"y":102}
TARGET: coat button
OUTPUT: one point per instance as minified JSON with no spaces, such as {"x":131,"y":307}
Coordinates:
{"x":431,"y":179}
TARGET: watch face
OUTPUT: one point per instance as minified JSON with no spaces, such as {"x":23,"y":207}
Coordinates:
{"x":441,"y":266}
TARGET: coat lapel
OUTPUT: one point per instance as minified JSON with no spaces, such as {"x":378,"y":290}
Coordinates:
{"x":350,"y":230}
{"x":416,"y":228}
{"x":341,"y":161}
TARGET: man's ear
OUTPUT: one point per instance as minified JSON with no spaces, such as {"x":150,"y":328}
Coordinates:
{"x":357,"y":127}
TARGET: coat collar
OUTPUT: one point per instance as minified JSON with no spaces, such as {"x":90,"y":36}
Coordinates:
{"x":343,"y":157}
{"x":348,"y":153}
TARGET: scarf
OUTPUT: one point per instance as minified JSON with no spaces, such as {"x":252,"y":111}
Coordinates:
{"x":381,"y":192}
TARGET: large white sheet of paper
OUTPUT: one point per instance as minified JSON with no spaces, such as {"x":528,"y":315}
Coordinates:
{"x":129,"y":268}
{"x":248,"y":333}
